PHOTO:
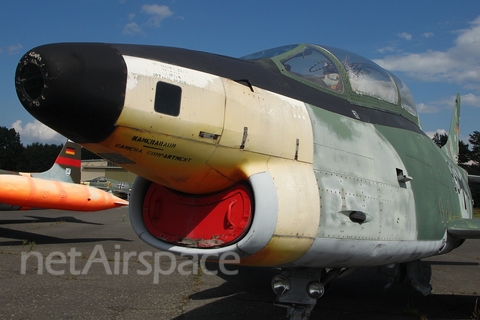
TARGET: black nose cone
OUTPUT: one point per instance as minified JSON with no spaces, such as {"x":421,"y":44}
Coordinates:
{"x":77,"y":89}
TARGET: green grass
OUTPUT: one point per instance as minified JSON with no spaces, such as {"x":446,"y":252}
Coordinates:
{"x":476,"y":213}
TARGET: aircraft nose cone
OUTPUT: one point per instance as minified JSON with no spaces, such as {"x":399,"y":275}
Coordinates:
{"x":77,"y":89}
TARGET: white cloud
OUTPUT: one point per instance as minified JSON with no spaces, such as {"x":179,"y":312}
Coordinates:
{"x":471,"y":100}
{"x":438,"y":105}
{"x":405,"y":35}
{"x":428,"y":34}
{"x":157,"y":12}
{"x":132,"y":28}
{"x":14,"y":48}
{"x":37,"y":132}
{"x":439,"y":131}
{"x":387,"y":49}
{"x":460,"y":64}
{"x":427,"y":108}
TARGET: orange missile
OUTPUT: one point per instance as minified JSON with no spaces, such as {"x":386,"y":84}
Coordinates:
{"x":39,"y":193}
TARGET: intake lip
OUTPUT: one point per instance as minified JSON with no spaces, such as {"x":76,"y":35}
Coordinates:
{"x":77,"y":89}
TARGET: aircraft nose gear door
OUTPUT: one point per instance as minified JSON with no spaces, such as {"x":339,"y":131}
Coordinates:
{"x":298,"y":290}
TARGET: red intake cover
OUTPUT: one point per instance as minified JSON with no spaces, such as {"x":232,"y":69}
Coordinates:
{"x":201,"y":221}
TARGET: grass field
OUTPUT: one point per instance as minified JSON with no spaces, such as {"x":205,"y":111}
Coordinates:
{"x":476,"y":213}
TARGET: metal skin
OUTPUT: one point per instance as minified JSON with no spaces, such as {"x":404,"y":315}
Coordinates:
{"x":27,"y":192}
{"x":121,"y":188}
{"x":339,"y":178}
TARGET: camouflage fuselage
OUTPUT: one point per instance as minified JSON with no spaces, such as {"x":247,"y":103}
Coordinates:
{"x":338,"y":178}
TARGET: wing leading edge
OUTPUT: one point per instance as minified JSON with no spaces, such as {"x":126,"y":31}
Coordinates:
{"x":464,"y":228}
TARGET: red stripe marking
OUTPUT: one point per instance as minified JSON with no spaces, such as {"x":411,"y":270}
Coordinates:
{"x":68,"y":161}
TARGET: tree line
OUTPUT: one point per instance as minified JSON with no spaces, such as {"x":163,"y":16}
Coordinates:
{"x":468,"y":158}
{"x":35,"y":157}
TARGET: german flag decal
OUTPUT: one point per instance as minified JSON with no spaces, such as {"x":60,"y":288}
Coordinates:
{"x":70,"y":151}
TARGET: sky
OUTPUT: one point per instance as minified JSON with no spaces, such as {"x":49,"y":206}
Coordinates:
{"x":433,"y":46}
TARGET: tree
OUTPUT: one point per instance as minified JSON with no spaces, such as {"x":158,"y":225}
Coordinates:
{"x":475,"y":142}
{"x":88,"y":155}
{"x":38,"y":157}
{"x":11,"y":149}
{"x":440,"y":139}
{"x":474,"y":165}
{"x":468,"y":159}
{"x":463,"y":152}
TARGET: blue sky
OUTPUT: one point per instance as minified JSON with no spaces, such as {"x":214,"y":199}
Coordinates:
{"x":433,"y":46}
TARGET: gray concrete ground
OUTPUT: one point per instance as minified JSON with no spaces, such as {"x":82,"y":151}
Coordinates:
{"x":127,"y":294}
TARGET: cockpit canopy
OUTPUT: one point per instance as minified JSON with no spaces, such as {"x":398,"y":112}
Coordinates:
{"x":343,"y":73}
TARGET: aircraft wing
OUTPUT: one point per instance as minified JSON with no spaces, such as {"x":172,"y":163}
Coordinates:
{"x":464,"y":228}
{"x":475,"y":179}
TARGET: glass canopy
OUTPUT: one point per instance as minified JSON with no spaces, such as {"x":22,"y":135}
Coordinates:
{"x":339,"y":71}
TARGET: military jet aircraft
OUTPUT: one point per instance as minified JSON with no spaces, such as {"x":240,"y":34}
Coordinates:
{"x":303,"y":157}
{"x":119,"y":188}
{"x":56,"y":188}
